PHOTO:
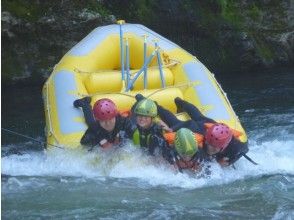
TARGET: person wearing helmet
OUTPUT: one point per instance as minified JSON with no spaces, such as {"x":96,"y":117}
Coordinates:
{"x":185,"y":154}
{"x":220,"y":141}
{"x":106,"y":127}
{"x":149,"y":133}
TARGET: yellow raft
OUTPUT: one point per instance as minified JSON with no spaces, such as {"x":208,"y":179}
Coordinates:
{"x":118,"y":61}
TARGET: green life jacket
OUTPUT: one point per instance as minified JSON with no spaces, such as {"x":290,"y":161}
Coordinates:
{"x":141,"y":139}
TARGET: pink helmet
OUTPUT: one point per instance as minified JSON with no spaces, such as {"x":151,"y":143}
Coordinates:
{"x":104,"y":109}
{"x":219,"y":136}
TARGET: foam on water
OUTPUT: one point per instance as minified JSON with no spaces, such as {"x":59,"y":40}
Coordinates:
{"x":274,"y":157}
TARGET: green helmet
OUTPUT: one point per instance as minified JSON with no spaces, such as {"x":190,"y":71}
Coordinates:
{"x":185,"y":142}
{"x":146,"y":107}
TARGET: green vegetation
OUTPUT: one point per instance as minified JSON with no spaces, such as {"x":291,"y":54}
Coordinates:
{"x":24,"y":9}
{"x":93,"y":5}
{"x":231,"y":13}
{"x":264,"y":50}
{"x":32,"y":10}
{"x":254,"y":12}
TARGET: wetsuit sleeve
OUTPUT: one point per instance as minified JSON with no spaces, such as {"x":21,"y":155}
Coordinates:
{"x":128,"y":126}
{"x":89,"y":138}
{"x":88,"y":114}
{"x":169,"y":154}
{"x":156,"y":141}
{"x":194,"y":112}
{"x":234,"y":151}
{"x":168,"y":117}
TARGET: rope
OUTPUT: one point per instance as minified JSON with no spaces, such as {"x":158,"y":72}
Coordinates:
{"x":132,"y":96}
{"x":109,"y":93}
{"x":175,"y":62}
{"x":30,"y":138}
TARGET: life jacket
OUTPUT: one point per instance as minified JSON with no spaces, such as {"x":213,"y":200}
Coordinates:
{"x":237,"y":134}
{"x":141,"y":139}
{"x":125,"y":113}
{"x":170,"y":138}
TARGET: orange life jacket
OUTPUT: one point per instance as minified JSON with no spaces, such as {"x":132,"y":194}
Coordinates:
{"x":170,"y":138}
{"x":125,"y":113}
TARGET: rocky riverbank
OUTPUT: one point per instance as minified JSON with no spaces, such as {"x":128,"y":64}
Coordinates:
{"x":225,"y":35}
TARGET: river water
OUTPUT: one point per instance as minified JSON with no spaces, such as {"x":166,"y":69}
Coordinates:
{"x":127,"y":184}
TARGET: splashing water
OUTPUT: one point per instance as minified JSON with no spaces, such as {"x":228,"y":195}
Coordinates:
{"x":274,"y":157}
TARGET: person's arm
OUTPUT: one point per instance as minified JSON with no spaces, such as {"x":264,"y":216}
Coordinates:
{"x":156,"y":139}
{"x":154,"y":142}
{"x":164,"y":126}
{"x":242,"y":149}
{"x":168,"y":153}
{"x":232,"y":153}
{"x":128,"y":126}
{"x":89,"y":139}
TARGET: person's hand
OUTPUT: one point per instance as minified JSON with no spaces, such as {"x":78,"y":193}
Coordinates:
{"x":165,"y":127}
{"x":107,"y":145}
{"x":224,"y":162}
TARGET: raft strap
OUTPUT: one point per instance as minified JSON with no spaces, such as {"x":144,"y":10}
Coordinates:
{"x":248,"y":158}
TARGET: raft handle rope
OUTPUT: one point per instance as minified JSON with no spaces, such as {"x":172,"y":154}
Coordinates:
{"x":50,"y":132}
{"x":30,"y":138}
{"x":174,"y":63}
{"x":108,"y":93}
{"x":189,"y":84}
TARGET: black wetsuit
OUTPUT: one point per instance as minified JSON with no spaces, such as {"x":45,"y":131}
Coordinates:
{"x":234,"y":150}
{"x":95,"y":133}
{"x":174,"y":123}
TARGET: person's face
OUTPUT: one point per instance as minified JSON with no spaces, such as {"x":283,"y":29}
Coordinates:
{"x":212,"y":150}
{"x":108,"y":125}
{"x":144,"y":121}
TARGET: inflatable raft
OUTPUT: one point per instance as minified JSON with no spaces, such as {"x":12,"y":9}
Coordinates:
{"x":119,"y":61}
